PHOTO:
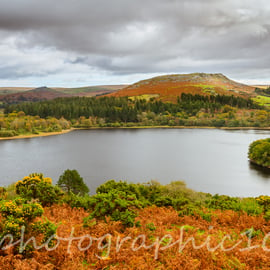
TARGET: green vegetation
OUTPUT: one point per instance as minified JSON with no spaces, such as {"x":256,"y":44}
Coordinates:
{"x":14,"y":124}
{"x":259,"y":152}
{"x":19,"y":216}
{"x":262,"y":100}
{"x":71,"y":181}
{"x":117,"y":204}
{"x":126,"y":110}
{"x":120,"y":205}
{"x":36,"y":186}
{"x":121,"y":200}
{"x":190,"y":110}
{"x":144,"y":97}
{"x":263,"y":92}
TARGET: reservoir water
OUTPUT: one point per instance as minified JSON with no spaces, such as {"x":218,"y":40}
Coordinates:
{"x":208,"y":160}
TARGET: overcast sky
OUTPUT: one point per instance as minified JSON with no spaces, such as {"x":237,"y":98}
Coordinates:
{"x":91,"y":42}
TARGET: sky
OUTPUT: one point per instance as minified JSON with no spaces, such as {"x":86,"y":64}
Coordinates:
{"x":73,"y":43}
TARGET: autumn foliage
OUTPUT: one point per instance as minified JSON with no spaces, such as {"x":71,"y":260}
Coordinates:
{"x":173,"y":227}
{"x":168,"y":87}
{"x":166,"y":222}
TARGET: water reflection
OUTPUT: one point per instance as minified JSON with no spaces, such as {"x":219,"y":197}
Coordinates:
{"x":260,"y":171}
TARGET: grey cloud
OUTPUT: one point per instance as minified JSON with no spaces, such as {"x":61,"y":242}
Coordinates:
{"x":126,"y":36}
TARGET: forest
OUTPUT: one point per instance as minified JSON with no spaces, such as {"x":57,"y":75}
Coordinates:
{"x":125,"y":109}
{"x":82,"y":112}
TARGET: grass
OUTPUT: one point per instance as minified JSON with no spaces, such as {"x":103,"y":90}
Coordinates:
{"x":147,"y":97}
{"x":262,"y":100}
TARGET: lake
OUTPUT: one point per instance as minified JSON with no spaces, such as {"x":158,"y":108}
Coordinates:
{"x":208,"y":160}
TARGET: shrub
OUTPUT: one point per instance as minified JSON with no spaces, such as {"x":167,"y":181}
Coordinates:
{"x":223,"y":202}
{"x":163,"y":201}
{"x":77,"y":201}
{"x":36,"y":186}
{"x":129,"y":189}
{"x":264,"y":201}
{"x":188,"y":210}
{"x":140,"y":191}
{"x":20,"y":214}
{"x":267,"y":215}
{"x":180,"y":203}
{"x":150,"y":191}
{"x":251,"y":206}
{"x":178,"y":189}
{"x":119,"y":205}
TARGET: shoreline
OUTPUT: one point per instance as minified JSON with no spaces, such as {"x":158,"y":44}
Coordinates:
{"x":45,"y":134}
{"x":178,"y":127}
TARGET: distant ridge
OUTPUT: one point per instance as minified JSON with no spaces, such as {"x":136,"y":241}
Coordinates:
{"x":168,"y":87}
{"x":37,"y":94}
{"x":17,"y":95}
{"x":90,"y":91}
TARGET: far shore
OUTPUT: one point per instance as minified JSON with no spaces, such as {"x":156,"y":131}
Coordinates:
{"x":44,"y":134}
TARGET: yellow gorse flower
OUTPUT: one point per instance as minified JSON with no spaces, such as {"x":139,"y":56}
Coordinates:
{"x":34,"y":178}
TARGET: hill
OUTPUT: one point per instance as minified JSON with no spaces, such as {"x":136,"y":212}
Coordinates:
{"x":38,"y":94}
{"x":13,"y":90}
{"x":16,"y":95}
{"x":168,"y":87}
{"x":90,"y":91}
{"x":261,"y":86}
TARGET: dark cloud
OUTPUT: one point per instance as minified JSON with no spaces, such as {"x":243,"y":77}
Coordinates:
{"x":124,"y":37}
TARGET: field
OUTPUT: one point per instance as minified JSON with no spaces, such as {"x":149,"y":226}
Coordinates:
{"x":262,"y":100}
{"x":146,"y":97}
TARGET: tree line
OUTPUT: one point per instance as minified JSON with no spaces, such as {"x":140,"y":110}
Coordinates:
{"x":123,"y":109}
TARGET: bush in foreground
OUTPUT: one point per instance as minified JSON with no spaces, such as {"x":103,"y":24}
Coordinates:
{"x":36,"y":186}
{"x":19,"y":216}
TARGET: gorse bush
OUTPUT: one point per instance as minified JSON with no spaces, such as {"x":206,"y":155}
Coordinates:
{"x":163,"y":201}
{"x":77,"y":201}
{"x":264,"y":202}
{"x":129,"y":189}
{"x":146,"y":193}
{"x":119,"y":205}
{"x":36,"y":186}
{"x":19,"y":216}
{"x":121,"y":200}
{"x":223,"y":202}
